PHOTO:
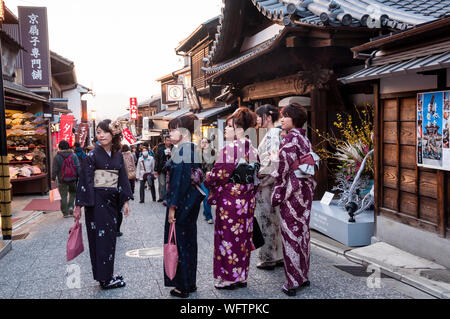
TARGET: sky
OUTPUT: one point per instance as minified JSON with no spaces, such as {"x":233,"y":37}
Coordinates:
{"x":121,"y":47}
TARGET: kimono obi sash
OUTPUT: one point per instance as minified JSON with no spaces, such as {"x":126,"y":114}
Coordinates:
{"x":106,"y":178}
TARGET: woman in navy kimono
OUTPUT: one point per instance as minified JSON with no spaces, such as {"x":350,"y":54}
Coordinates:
{"x":104,"y":190}
{"x":183,"y":204}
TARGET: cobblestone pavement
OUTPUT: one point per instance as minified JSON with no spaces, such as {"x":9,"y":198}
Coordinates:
{"x":36,"y":266}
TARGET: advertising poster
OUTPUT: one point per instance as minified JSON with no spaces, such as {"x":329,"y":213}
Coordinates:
{"x":433,"y":130}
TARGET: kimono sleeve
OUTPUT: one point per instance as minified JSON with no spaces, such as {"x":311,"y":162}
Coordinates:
{"x":281,"y":179}
{"x":124,"y":184}
{"x":85,"y":188}
{"x":222,"y":170}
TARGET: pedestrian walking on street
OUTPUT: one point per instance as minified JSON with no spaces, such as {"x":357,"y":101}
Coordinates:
{"x":145,"y":174}
{"x":294,"y":195}
{"x":163,"y":154}
{"x":271,"y":253}
{"x":104,"y":190}
{"x":79,"y":152}
{"x":183,"y":205}
{"x":208,"y":159}
{"x":233,"y":191}
{"x":133,"y":152}
{"x":66,"y":168}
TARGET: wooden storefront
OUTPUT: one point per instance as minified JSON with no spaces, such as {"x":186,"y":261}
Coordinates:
{"x":409,"y":63}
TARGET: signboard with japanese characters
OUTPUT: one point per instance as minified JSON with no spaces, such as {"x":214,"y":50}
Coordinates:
{"x":66,"y":129}
{"x":433,"y":130}
{"x":34,"y":38}
{"x":128,"y":136}
{"x":133,"y":108}
{"x":175,"y":93}
{"x":82,"y":133}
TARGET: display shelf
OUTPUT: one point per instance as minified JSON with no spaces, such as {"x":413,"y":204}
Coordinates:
{"x":22,"y":162}
{"x":24,"y":179}
{"x":29,"y":148}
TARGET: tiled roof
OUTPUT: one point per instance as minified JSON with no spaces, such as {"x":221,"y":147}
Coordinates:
{"x":408,"y":66}
{"x":391,"y":14}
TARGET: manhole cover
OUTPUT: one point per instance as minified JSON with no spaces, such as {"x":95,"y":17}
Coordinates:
{"x":20,"y":236}
{"x":357,"y":271}
{"x":145,"y":253}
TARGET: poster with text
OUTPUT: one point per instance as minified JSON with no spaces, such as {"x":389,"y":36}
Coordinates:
{"x":433,"y":110}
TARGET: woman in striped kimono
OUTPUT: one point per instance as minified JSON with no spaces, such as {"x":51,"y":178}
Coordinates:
{"x":294,"y":195}
{"x":270,"y":254}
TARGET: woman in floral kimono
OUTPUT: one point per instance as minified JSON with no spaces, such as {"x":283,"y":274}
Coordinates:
{"x":271,"y":253}
{"x":104,"y":190}
{"x":183,"y":204}
{"x":295,"y":196}
{"x":234,"y":195}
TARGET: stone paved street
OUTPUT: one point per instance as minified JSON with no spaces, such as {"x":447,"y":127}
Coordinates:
{"x":36,"y":266}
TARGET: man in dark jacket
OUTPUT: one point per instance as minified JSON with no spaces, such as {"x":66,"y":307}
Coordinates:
{"x":163,"y":154}
{"x":79,"y":152}
{"x":67,"y":180}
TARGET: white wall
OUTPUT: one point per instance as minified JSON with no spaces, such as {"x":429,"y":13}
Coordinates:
{"x":74,"y":103}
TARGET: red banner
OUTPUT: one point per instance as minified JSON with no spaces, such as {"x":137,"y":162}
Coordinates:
{"x":66,"y":129}
{"x":133,"y":108}
{"x":128,"y":136}
{"x":83,"y":130}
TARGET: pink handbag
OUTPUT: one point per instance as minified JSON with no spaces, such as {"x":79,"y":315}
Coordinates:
{"x":75,"y":241}
{"x":171,"y":254}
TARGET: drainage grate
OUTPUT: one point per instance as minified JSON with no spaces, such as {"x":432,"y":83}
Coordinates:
{"x":20,"y":236}
{"x":357,"y":271}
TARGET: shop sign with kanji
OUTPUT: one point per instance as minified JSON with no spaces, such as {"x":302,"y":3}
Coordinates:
{"x":34,"y":38}
{"x":133,"y":108}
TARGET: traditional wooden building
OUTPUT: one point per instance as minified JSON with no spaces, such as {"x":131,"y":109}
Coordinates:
{"x":412,"y":201}
{"x":272,"y":51}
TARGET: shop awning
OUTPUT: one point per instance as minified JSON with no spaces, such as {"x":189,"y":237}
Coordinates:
{"x":209,"y":113}
{"x":176,"y":114}
{"x":22,"y":91}
{"x":160,"y":115}
{"x":409,"y":66}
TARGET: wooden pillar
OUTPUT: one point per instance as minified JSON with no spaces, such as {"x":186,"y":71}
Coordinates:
{"x":319,"y":121}
{"x":441,"y":202}
{"x":378,"y":144}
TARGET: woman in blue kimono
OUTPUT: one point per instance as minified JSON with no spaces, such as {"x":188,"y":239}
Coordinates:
{"x":183,"y":204}
{"x":104,"y":190}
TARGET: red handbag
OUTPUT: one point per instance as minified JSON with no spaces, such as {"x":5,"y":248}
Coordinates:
{"x":75,"y":241}
{"x":171,"y":254}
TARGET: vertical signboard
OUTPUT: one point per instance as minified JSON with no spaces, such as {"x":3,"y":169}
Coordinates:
{"x":433,"y":129}
{"x":66,"y":129}
{"x":34,"y":38}
{"x":133,"y":108}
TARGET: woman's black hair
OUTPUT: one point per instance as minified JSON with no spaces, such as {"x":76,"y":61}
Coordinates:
{"x":125,"y":148}
{"x":297,"y":113}
{"x":116,"y":139}
{"x":185,"y":121}
{"x":63,"y":145}
{"x":268,"y":110}
{"x":77,"y":144}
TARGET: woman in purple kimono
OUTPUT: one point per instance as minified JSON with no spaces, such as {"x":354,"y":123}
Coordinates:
{"x":233,"y":192}
{"x":104,"y":190}
{"x":295,"y":196}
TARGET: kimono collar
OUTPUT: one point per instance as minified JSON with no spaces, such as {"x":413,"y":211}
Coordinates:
{"x":97,"y":147}
{"x":298,"y":132}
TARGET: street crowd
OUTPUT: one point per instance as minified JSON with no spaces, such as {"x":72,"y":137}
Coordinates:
{"x":262,"y":195}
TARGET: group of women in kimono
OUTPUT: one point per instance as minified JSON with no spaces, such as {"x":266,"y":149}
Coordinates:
{"x":244,"y":183}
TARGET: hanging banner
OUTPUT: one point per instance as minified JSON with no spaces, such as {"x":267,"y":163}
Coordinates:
{"x":66,"y":129}
{"x":34,"y":38}
{"x":133,"y":108}
{"x":128,"y":136}
{"x":433,"y":130}
{"x":82,"y":133}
